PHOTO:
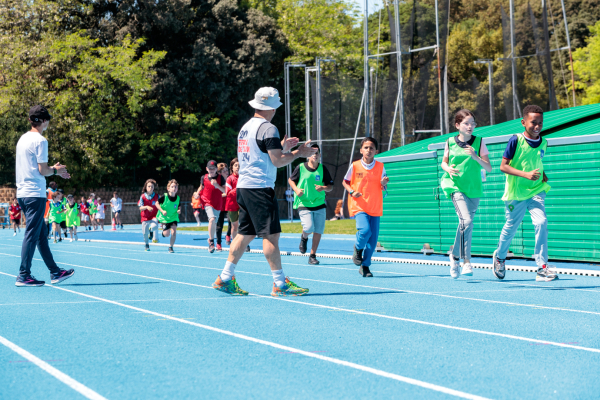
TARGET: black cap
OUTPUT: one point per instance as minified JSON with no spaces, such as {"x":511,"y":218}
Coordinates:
{"x":39,"y":113}
{"x":211,"y":163}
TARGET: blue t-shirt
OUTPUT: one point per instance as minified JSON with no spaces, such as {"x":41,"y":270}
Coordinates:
{"x":511,"y":146}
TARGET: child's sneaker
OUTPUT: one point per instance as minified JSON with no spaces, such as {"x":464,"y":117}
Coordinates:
{"x":71,"y":241}
{"x":544,"y":274}
{"x":219,"y":248}
{"x":357,"y":257}
{"x":231,"y":287}
{"x":467,"y":269}
{"x":171,"y":250}
{"x":155,"y":240}
{"x":312,"y":259}
{"x":248,"y":249}
{"x":211,"y":246}
{"x":289,"y":289}
{"x":228,"y":240}
{"x":15,"y":234}
{"x":498,"y":267}
{"x":454,"y":267}
{"x":147,"y":247}
{"x":55,"y":241}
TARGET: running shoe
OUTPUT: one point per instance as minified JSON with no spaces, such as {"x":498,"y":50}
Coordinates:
{"x":248,"y":249}
{"x":357,"y":257}
{"x":302,"y":246}
{"x":60,"y":239}
{"x":198,"y":224}
{"x":61,"y":275}
{"x":467,"y":269}
{"x":155,"y":240}
{"x":151,"y":235}
{"x":15,"y":234}
{"x":171,"y":250}
{"x":228,"y":240}
{"x":312,"y":260}
{"x":231,"y":287}
{"x":147,"y":247}
{"x":219,"y":248}
{"x":71,"y":240}
{"x":211,"y":246}
{"x":454,"y":267}
{"x":544,"y":274}
{"x":498,"y":267}
{"x":28,"y":280}
{"x":365,"y":272}
{"x":55,"y":241}
{"x":289,"y":289}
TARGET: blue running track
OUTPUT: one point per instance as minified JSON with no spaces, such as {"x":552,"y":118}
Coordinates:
{"x":132,"y":324}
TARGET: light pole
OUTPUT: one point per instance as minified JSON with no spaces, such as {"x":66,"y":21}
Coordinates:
{"x":490,"y":77}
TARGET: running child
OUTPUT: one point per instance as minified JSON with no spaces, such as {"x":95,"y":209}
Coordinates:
{"x":63,"y":216}
{"x":116,"y":205}
{"x":52,"y":187}
{"x":525,"y":190}
{"x":85,"y":213}
{"x":92,"y":210}
{"x":231,"y":205}
{"x":464,"y":157}
{"x":197,"y":204}
{"x":72,"y":213}
{"x":57,"y":210}
{"x":211,"y":189}
{"x":15,"y":215}
{"x":169,"y":208}
{"x":365,"y":182}
{"x":148,"y":210}
{"x":310,"y":181}
{"x":224,"y":172}
{"x":100,"y":213}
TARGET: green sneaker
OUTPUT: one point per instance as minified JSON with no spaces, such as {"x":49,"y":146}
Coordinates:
{"x":230,"y":287}
{"x":289,"y":289}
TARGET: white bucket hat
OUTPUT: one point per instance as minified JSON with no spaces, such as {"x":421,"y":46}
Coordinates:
{"x":266,"y":98}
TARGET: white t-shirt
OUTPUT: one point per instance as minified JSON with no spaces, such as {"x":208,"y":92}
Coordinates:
{"x":368,"y":167}
{"x":116,"y":204}
{"x":100,"y":212}
{"x":32,"y":149}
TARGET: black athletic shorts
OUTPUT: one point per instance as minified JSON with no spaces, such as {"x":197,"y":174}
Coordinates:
{"x":169,"y":225}
{"x":259,"y":212}
{"x":63,"y":224}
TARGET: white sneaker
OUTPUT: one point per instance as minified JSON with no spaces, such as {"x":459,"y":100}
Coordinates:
{"x":467,"y":269}
{"x":71,"y":240}
{"x":15,"y":234}
{"x":454,"y":267}
{"x":198,"y":224}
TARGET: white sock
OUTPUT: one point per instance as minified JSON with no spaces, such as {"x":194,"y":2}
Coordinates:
{"x":279,"y":278}
{"x":228,"y":271}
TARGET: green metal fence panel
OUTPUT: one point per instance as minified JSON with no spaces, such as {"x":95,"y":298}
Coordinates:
{"x":572,"y":205}
{"x":411,"y":211}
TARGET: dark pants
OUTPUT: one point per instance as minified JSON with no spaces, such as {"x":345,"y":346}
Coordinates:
{"x":36,"y":234}
{"x":220,"y":223}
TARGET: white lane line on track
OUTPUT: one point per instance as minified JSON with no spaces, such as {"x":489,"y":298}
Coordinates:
{"x":348,"y":284}
{"x":349,"y":364}
{"x":589,"y":349}
{"x":66,"y":379}
{"x":124,"y":301}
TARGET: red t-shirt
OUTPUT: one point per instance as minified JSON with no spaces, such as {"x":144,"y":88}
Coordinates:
{"x":231,"y":203}
{"x":15,"y":211}
{"x":148,"y":215}
{"x":210,"y":195}
{"x":84,"y":208}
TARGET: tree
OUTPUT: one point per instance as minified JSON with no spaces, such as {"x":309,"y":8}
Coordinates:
{"x":586,"y":62}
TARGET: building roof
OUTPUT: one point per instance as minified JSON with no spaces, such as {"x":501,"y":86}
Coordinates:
{"x":574,"y":121}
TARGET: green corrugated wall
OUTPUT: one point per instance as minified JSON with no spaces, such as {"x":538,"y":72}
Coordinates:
{"x":411,"y":211}
{"x":416,"y":211}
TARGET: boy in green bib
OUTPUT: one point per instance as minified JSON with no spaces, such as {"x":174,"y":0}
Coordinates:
{"x":525,"y":190}
{"x":56,"y":215}
{"x":310,"y":181}
{"x":168,"y":212}
{"x":464,"y":157}
{"x":72,"y":216}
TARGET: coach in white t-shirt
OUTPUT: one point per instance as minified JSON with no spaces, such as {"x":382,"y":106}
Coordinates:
{"x":31,"y":170}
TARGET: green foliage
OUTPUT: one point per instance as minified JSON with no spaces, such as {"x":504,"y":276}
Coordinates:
{"x":586,"y":62}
